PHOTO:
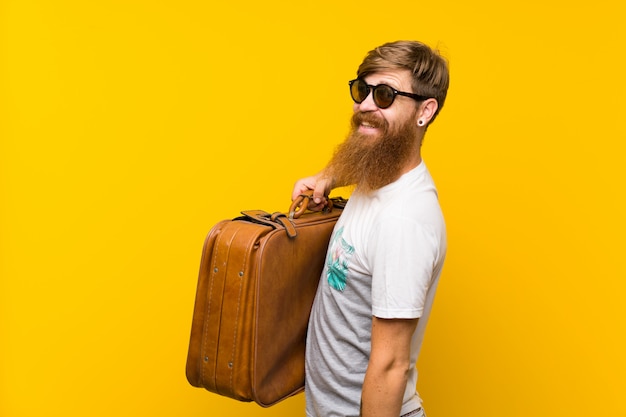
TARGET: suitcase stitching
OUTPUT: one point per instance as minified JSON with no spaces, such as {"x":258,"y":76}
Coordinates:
{"x":243,"y":268}
{"x":208,"y":314}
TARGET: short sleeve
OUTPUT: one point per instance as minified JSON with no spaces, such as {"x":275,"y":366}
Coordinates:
{"x":403,"y":258}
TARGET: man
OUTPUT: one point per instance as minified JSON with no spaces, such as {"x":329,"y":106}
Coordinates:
{"x":388,"y":247}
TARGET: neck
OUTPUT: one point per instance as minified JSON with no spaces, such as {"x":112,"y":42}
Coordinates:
{"x":415,"y":159}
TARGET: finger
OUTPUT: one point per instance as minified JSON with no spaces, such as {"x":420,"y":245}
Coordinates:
{"x":317,"y":207}
{"x":320,"y":192}
{"x":299,"y":188}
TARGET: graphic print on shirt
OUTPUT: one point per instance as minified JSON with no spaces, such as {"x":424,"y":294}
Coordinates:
{"x":338,"y":260}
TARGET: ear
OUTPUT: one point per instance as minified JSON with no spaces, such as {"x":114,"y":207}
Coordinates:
{"x":426,"y":112}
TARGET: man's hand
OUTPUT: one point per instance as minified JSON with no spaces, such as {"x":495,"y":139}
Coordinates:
{"x":321,"y":187}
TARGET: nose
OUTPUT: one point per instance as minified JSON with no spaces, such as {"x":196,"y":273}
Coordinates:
{"x":367,"y":104}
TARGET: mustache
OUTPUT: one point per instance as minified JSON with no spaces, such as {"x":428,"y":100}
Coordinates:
{"x":359,"y":118}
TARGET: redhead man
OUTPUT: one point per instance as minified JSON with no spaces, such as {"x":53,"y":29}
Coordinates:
{"x":388,"y":247}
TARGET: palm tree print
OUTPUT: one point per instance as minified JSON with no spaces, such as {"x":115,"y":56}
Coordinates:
{"x":338,"y":260}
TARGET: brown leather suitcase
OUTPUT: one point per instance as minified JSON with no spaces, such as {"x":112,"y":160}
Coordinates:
{"x":258,"y":277}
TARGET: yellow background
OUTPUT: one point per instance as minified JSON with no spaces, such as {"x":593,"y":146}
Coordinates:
{"x":128,"y":128}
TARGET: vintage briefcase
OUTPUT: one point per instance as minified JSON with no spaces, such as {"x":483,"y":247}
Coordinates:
{"x":258,"y":277}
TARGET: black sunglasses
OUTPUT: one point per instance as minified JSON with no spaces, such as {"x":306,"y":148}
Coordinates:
{"x":383,"y":94}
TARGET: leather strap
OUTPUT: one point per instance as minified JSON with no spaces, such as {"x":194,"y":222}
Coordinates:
{"x":273,"y":220}
{"x":287,"y":224}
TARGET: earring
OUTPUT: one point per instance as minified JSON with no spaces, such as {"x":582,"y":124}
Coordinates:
{"x":420,"y":122}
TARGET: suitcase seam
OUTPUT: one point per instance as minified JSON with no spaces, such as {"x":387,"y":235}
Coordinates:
{"x":243,"y":268}
{"x":208,"y":311}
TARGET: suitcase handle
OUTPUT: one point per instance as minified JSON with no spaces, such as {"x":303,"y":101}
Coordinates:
{"x":301,"y":203}
{"x":298,"y":207}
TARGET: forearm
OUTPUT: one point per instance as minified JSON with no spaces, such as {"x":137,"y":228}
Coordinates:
{"x":383,"y":391}
{"x":388,"y":368}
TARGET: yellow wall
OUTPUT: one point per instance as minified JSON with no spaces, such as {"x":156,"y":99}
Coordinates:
{"x":128,"y":128}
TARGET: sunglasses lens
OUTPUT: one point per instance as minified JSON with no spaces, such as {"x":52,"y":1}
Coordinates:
{"x":383,"y":96}
{"x":359,"y":91}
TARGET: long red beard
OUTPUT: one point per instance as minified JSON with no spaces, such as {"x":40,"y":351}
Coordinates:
{"x":371,"y":162}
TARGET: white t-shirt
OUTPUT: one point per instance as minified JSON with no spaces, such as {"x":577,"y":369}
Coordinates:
{"x":384,"y":259}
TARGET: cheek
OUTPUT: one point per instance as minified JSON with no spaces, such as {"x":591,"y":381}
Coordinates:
{"x":398,"y":121}
{"x":409,"y":116}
